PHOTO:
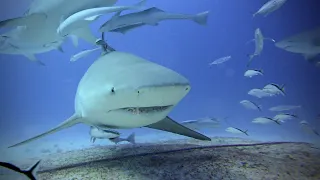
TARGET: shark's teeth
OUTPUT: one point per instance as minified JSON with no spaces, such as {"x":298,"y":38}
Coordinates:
{"x":144,"y":110}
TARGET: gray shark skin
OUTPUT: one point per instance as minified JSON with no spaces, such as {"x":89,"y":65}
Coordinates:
{"x":306,"y":43}
{"x":124,"y":91}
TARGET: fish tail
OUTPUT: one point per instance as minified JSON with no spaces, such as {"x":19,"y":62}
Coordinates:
{"x":93,"y":139}
{"x":31,"y":172}
{"x":246,"y":132}
{"x":277,"y":121}
{"x":201,"y":18}
{"x":131,"y":139}
{"x":251,"y":56}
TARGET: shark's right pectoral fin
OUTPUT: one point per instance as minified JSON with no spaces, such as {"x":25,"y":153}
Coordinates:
{"x":74,"y":119}
{"x":169,"y":125}
{"x":29,"y":20}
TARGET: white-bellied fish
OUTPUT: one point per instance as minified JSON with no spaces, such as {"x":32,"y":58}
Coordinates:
{"x":259,"y":43}
{"x":269,"y":7}
{"x":13,"y":172}
{"x":274,"y":89}
{"x":124,"y":91}
{"x":264,"y":120}
{"x":259,"y":93}
{"x":284,"y":117}
{"x":253,"y":72}
{"x":237,"y":131}
{"x":220,"y":60}
{"x":85,"y":17}
{"x":250,"y":105}
{"x":284,"y":108}
{"x":82,"y":54}
{"x":151,"y":16}
{"x":306,"y":43}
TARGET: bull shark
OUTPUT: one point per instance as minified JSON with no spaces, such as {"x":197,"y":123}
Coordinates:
{"x":38,"y":26}
{"x":306,"y":43}
{"x":151,"y":16}
{"x":124,"y":91}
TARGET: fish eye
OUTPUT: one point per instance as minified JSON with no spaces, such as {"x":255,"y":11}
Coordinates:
{"x":112,"y":90}
{"x":187,"y":89}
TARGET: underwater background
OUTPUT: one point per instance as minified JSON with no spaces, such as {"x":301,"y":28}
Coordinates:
{"x":36,"y":98}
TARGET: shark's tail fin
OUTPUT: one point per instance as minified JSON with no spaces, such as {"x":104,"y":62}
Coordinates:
{"x":246,"y":132}
{"x":74,"y":119}
{"x":31,"y":172}
{"x":131,"y":138}
{"x":201,"y":18}
{"x":92,"y":139}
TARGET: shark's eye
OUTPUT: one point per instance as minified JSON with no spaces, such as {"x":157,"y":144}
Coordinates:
{"x":187,"y":89}
{"x":112,"y":90}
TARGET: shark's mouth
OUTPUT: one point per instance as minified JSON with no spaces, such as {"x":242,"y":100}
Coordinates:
{"x":145,"y":110}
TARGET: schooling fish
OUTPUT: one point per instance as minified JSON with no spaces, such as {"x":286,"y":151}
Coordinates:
{"x":265,"y":120}
{"x":237,"y":131}
{"x":284,"y":108}
{"x":151,"y":16}
{"x":220,"y":60}
{"x":284,"y":117}
{"x":250,"y":105}
{"x":269,"y":7}
{"x":258,"y":40}
{"x":259,"y":93}
{"x":253,"y":72}
{"x":274,"y":89}
{"x":29,"y":173}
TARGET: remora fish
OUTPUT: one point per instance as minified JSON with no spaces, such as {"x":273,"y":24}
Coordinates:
{"x":38,"y":27}
{"x":237,"y":131}
{"x":29,"y":173}
{"x":259,"y":93}
{"x":113,"y":136}
{"x":264,"y":120}
{"x":250,"y":105}
{"x":151,"y":16}
{"x":83,"y":17}
{"x":306,"y":43}
{"x":82,"y":54}
{"x":269,"y":7}
{"x":274,"y":89}
{"x":258,"y":40}
{"x":253,"y":72}
{"x":284,"y":108}
{"x":124,"y":91}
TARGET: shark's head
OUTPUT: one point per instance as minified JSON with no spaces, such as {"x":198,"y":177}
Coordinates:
{"x":121,"y":90}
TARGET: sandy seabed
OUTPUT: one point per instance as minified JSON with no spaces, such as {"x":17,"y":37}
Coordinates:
{"x":222,"y":158}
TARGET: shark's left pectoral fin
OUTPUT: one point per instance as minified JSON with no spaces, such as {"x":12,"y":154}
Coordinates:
{"x":85,"y":34}
{"x":169,"y":125}
{"x":32,"y":58}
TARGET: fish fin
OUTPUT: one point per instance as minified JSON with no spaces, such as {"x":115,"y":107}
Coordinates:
{"x":59,"y":48}
{"x":252,"y":40}
{"x":29,"y":20}
{"x":251,"y":56}
{"x":116,"y":15}
{"x":169,"y":125}
{"x":85,"y":34}
{"x":93,"y":18}
{"x":270,"y":39}
{"x":75,"y":40}
{"x":260,"y":108}
{"x":73,"y":120}
{"x":246,"y":132}
{"x":131,"y":138}
{"x":31,"y":172}
{"x":201,"y":18}
{"x":33,"y":58}
{"x":140,"y":4}
{"x":93,"y":139}
{"x":309,"y":56}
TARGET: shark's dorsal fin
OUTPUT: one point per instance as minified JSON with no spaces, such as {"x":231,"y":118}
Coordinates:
{"x":153,"y":9}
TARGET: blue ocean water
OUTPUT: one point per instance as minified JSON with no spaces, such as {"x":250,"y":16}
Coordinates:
{"x":36,"y":98}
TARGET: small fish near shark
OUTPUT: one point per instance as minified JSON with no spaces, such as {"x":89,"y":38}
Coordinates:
{"x":151,"y":16}
{"x":113,"y":136}
{"x":124,"y":91}
{"x":17,"y":173}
